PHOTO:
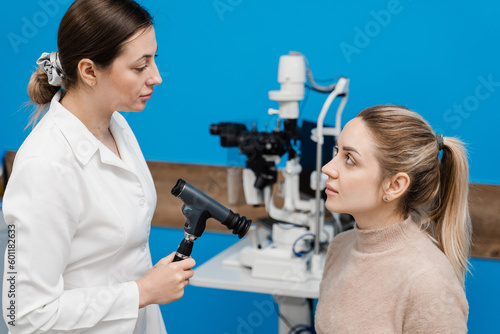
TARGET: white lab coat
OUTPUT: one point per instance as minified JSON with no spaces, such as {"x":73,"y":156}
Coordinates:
{"x":82,"y":220}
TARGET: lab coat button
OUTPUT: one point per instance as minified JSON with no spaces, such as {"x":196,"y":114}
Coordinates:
{"x":84,"y":147}
{"x":142,"y":202}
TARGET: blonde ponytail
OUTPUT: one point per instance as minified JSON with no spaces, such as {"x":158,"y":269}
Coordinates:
{"x":437,"y":197}
{"x":453,"y":228}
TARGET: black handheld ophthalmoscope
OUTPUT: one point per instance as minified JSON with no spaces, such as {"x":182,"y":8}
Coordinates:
{"x":197,"y":208}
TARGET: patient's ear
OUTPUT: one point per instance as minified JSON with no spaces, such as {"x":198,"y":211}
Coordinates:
{"x":394,"y":187}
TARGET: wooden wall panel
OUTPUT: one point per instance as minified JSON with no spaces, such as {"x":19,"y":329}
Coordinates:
{"x":485,"y":214}
{"x":484,"y":201}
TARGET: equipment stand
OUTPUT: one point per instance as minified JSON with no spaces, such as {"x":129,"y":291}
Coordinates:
{"x":225,"y":272}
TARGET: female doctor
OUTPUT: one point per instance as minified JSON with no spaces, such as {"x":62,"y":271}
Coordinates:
{"x":81,"y":198}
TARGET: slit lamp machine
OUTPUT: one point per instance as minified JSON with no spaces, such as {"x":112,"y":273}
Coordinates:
{"x":293,"y":252}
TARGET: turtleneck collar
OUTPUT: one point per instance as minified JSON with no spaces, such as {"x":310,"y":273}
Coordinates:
{"x":386,"y":238}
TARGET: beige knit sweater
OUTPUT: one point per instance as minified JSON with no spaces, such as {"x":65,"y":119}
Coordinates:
{"x":389,"y":280}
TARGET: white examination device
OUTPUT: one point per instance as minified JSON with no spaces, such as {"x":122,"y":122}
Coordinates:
{"x":289,"y":255}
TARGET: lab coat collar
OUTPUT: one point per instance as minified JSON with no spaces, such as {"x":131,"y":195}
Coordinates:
{"x":122,"y":134}
{"x":83,"y":143}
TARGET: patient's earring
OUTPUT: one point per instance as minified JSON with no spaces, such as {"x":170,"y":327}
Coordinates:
{"x":93,"y":83}
{"x":386,"y":198}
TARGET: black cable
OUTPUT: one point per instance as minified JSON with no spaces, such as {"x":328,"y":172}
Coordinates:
{"x":300,"y":329}
{"x":310,"y":77}
{"x":319,"y":91}
{"x":297,"y":329}
{"x":281,"y":316}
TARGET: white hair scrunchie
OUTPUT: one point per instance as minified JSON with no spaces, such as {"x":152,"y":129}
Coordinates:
{"x":51,"y":65}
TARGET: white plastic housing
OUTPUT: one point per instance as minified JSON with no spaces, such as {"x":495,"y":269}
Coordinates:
{"x":291,"y":76}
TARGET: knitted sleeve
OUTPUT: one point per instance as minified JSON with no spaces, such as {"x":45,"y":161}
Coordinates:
{"x":436,"y":304}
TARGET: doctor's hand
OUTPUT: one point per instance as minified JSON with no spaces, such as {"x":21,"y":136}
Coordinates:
{"x":165,"y":282}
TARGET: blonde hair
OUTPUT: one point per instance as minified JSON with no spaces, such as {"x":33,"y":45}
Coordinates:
{"x":437,"y":196}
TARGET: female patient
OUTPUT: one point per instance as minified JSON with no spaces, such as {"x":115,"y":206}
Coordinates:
{"x":81,"y":196}
{"x":401,"y":270}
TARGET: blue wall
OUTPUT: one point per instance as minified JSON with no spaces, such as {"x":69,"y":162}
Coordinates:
{"x":219,"y":59}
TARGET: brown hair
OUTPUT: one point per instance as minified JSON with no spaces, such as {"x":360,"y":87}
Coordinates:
{"x":437,"y":196}
{"x":93,"y":29}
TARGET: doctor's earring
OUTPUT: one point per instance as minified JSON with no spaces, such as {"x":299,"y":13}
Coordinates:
{"x":93,"y":83}
{"x":386,"y":198}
